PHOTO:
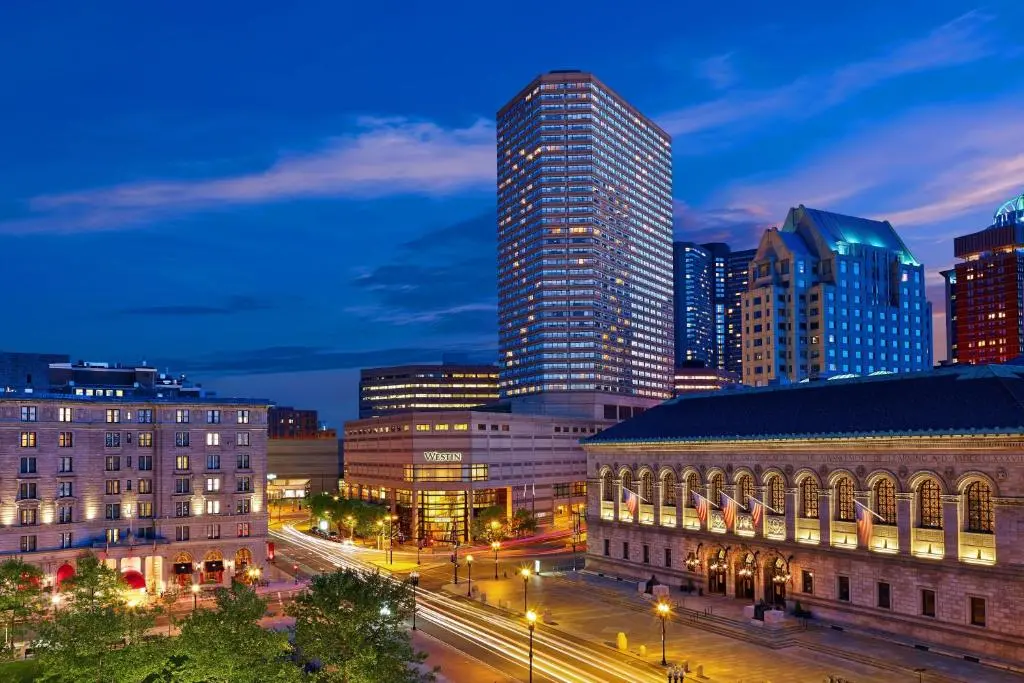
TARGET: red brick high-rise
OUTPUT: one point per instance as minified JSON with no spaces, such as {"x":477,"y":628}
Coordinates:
{"x":987,"y":312}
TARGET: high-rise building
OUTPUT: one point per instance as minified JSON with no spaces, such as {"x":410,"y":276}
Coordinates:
{"x":585,"y":242}
{"x":832,"y":294}
{"x":695,"y":288}
{"x":286,"y":422}
{"x":444,"y":386}
{"x":709,"y":282}
{"x":985,"y":290}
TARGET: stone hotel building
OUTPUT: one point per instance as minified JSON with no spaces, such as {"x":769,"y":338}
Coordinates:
{"x":166,"y":488}
{"x":934,"y":460}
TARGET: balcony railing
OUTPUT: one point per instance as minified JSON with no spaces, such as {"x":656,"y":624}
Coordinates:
{"x":928,"y":543}
{"x":976,"y":548}
{"x":646,"y":514}
{"x":608,"y":509}
{"x":668,"y":515}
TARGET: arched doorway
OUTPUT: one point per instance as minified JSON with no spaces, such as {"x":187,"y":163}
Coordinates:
{"x":212,"y":570}
{"x":65,"y":572}
{"x":182,"y":569}
{"x":745,"y":567}
{"x":243,"y":558}
{"x":776,"y":577}
{"x":717,"y":564}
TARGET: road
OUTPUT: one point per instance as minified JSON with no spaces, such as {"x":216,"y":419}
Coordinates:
{"x":489,"y":635}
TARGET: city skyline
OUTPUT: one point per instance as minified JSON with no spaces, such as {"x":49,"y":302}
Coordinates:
{"x":247,"y":232}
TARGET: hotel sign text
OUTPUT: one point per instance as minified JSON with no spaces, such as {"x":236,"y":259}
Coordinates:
{"x":442,"y":456}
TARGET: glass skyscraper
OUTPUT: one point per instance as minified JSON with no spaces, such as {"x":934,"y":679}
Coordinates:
{"x":584,"y":242}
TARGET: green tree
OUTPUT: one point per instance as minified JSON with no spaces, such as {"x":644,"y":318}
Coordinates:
{"x":227,"y":644}
{"x":20,"y":597}
{"x":523,"y":522}
{"x":351,"y":623}
{"x":489,"y":524}
{"x":94,"y":584}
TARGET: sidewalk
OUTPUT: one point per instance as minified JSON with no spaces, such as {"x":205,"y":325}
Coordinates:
{"x":729,"y":649}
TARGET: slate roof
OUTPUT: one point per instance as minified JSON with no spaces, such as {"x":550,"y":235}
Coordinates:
{"x":837,"y":228}
{"x":961,"y":400}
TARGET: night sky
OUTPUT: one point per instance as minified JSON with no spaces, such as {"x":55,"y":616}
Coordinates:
{"x":270,"y":195}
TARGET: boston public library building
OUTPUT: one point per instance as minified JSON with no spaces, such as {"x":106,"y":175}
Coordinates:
{"x":893,"y":503}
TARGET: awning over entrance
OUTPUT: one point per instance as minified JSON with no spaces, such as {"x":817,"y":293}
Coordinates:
{"x":65,"y":572}
{"x":134,"y":579}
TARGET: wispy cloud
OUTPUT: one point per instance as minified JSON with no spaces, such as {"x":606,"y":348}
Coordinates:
{"x":740,"y":226}
{"x":957,"y":42}
{"x":385,"y":157}
{"x":230,"y":306}
{"x":719,"y":71}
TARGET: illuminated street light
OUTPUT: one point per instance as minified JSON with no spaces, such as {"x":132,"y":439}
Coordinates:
{"x":469,"y":577}
{"x":531,"y":622}
{"x":385,"y":611}
{"x":496,"y":546}
{"x":414,"y":580}
{"x":55,"y":600}
{"x":351,"y":527}
{"x":195,"y":596}
{"x":663,"y":612}
{"x":526,"y":584}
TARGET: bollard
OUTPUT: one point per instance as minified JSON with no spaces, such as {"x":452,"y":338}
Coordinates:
{"x":686,"y":666}
{"x":700,"y":671}
{"x":643,"y":650}
{"x":621,"y":643}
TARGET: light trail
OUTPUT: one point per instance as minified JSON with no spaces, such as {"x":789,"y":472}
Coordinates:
{"x":555,"y":656}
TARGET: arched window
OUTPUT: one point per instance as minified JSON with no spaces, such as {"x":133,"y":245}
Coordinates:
{"x":844,"y":500}
{"x":715,"y":492}
{"x":745,"y":490}
{"x":692,"y":486}
{"x":808,"y":497}
{"x":646,"y":488}
{"x":929,"y":503}
{"x":777,"y":495}
{"x":607,"y":486}
{"x":668,"y":489}
{"x":885,"y":501}
{"x":980,"y":519}
{"x":627,"y":481}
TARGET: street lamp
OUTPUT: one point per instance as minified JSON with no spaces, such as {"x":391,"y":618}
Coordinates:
{"x":455,"y":562}
{"x":414,"y":580}
{"x":531,"y":623}
{"x":391,"y":538}
{"x":385,"y":611}
{"x":351,"y":527}
{"x":663,"y":612}
{"x":195,"y":596}
{"x":380,"y":534}
{"x":496,"y":546}
{"x":469,"y":579}
{"x":526,"y":584}
{"x":55,"y":600}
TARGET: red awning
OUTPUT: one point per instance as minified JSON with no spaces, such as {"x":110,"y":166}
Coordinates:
{"x":65,"y":572}
{"x":134,"y":579}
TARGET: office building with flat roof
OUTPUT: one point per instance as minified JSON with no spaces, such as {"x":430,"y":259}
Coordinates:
{"x":426,"y":386}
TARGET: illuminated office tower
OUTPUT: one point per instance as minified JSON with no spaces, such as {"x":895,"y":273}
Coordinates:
{"x":584,"y":242}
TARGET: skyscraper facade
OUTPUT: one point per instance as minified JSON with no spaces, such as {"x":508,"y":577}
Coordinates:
{"x":695,"y":331}
{"x":709,"y":282}
{"x":584,"y":242}
{"x":832,"y":294}
{"x":985,"y":290}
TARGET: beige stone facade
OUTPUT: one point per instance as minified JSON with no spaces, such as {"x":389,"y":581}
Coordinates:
{"x":171,"y":488}
{"x":942,"y":563}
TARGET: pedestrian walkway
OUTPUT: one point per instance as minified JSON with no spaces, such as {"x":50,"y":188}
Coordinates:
{"x":728,"y":648}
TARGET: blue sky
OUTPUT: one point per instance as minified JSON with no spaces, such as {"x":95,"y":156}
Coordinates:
{"x":271,"y":195}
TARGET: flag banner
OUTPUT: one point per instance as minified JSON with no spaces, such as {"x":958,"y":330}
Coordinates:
{"x":728,"y":509}
{"x":701,"y":503}
{"x":631,"y":500}
{"x":757,"y":512}
{"x":865,"y":524}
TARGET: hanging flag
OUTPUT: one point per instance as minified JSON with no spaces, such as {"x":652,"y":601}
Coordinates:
{"x":757,"y":512}
{"x":701,"y":503}
{"x":865,"y":524}
{"x":534,"y":494}
{"x":728,"y":509}
{"x":631,"y":500}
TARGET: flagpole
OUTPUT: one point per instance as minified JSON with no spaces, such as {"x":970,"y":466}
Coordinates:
{"x":766,"y":505}
{"x":857,"y":502}
{"x":733,"y":500}
{"x":638,"y":495}
{"x":707,"y":500}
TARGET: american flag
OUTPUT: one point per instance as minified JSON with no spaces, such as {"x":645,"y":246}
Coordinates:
{"x":865,"y":524}
{"x":728,"y":509}
{"x":756,"y":511}
{"x":701,"y":503}
{"x":631,"y":500}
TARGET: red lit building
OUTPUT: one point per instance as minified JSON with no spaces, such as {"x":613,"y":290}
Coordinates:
{"x":985,"y":291}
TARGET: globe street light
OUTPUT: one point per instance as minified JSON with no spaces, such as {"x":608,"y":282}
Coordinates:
{"x":414,"y":580}
{"x":663,"y":612}
{"x":531,"y":622}
{"x":195,"y":596}
{"x":469,"y":576}
{"x":526,"y":584}
{"x":496,"y":546}
{"x":385,"y":611}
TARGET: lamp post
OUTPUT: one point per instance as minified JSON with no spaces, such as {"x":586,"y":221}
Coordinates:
{"x":419,"y":547}
{"x":195,"y":596}
{"x":531,"y":623}
{"x":391,"y":538}
{"x":455,"y":562}
{"x":663,"y":611}
{"x":469,"y":576}
{"x":414,"y":580}
{"x":380,"y":534}
{"x":496,"y":546}
{"x":351,"y":528}
{"x":525,"y":573}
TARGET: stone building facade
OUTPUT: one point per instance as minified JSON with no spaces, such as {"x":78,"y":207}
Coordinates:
{"x":934,"y":460}
{"x":168,"y":490}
